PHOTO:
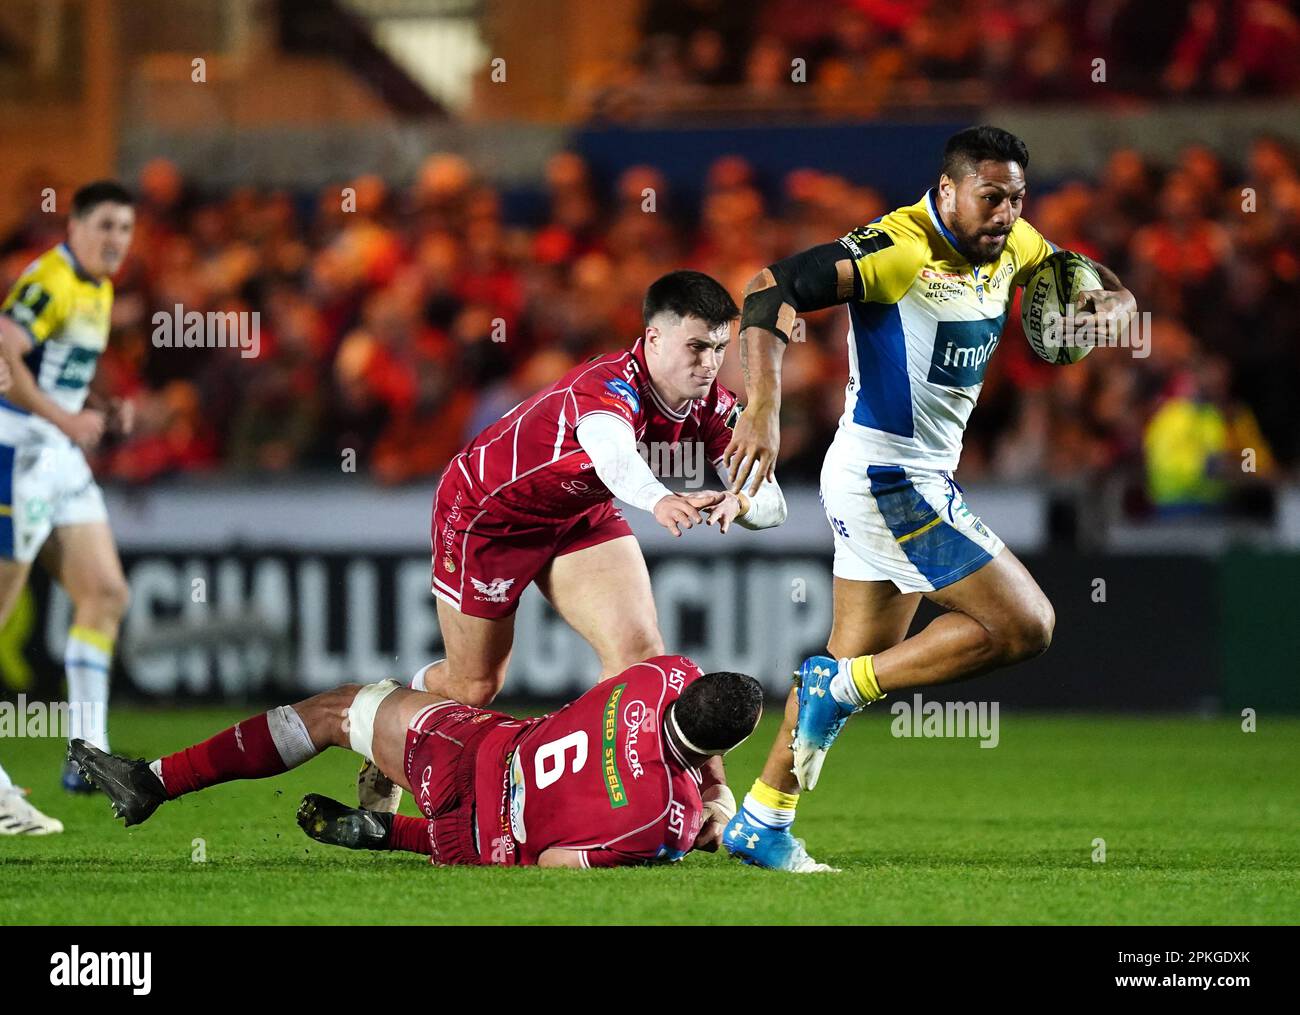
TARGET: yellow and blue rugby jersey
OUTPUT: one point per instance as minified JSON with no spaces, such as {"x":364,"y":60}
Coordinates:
{"x":922,"y":336}
{"x":66,"y":313}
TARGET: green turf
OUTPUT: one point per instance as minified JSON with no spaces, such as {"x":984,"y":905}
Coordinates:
{"x":1199,"y":821}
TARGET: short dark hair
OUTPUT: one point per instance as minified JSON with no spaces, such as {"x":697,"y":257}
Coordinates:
{"x":689,"y":293}
{"x":719,"y":710}
{"x":92,"y":195}
{"x":968,"y":147}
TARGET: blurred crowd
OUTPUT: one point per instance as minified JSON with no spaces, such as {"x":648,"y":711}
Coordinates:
{"x":865,"y":53}
{"x":396,"y":323}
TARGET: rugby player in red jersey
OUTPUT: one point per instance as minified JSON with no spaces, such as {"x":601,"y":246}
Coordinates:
{"x":612,"y":779}
{"x":530,"y":499}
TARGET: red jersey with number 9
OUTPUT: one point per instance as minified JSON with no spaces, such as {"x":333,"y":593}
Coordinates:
{"x":599,"y":776}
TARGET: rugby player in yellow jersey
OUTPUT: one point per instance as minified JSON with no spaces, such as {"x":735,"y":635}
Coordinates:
{"x":53,"y":327}
{"x":928,"y":288}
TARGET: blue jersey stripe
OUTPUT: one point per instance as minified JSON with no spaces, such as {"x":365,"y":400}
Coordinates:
{"x":884,"y":399}
{"x":7,"y":501}
{"x":941,"y":553}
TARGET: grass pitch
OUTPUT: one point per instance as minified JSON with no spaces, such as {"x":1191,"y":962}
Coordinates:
{"x":1198,"y":818}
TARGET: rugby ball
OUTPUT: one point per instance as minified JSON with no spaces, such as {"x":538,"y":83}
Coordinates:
{"x":1049,"y":294}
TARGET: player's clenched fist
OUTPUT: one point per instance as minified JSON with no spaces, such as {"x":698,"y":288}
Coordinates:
{"x":682,"y":510}
{"x":85,"y":428}
{"x":753,"y":448}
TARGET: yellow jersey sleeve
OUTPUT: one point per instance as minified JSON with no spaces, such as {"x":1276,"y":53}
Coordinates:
{"x":40,"y":299}
{"x":1028,"y":250}
{"x":887,"y":256}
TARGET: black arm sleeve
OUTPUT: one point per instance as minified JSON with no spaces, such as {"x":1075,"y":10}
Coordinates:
{"x":805,"y":281}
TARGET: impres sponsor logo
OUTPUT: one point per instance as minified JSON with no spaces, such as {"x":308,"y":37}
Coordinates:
{"x":624,"y":392}
{"x":75,"y":968}
{"x":638,"y":719}
{"x":962,"y":350}
{"x":608,"y":750}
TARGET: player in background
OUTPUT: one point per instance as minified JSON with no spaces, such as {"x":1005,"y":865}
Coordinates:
{"x":17,"y":816}
{"x":530,"y":499}
{"x":928,"y":289}
{"x":53,"y":327}
{"x":611,"y":779}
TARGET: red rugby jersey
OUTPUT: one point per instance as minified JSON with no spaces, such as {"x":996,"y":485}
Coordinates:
{"x":528,"y":466}
{"x":598,"y":776}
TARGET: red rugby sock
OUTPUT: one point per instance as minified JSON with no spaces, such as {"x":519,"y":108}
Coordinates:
{"x":410,"y":834}
{"x":245,"y":751}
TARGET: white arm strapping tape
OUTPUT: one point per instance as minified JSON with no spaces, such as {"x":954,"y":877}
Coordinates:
{"x":766,"y":508}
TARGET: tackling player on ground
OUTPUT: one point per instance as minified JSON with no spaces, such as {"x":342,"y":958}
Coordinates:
{"x":928,"y":289}
{"x":530,"y":499}
{"x":54,"y":326}
{"x":612,"y":779}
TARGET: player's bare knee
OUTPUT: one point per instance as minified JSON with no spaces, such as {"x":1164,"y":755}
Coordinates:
{"x":107,"y":599}
{"x":1030,"y":634}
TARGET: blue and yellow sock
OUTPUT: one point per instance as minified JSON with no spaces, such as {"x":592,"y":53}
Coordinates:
{"x":855,"y":685}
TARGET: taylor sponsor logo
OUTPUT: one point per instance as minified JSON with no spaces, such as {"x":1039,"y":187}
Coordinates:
{"x":75,"y":968}
{"x":495,"y":591}
{"x":638,"y":719}
{"x":608,"y":749}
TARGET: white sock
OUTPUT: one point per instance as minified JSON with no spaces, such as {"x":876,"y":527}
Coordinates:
{"x":5,"y":782}
{"x":417,"y":681}
{"x":844,"y":688}
{"x":773,"y":817}
{"x":86,"y":660}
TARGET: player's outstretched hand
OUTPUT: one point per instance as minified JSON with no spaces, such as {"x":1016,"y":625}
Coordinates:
{"x":680,"y":511}
{"x":725,"y":511}
{"x":85,"y":428}
{"x":751,"y":455}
